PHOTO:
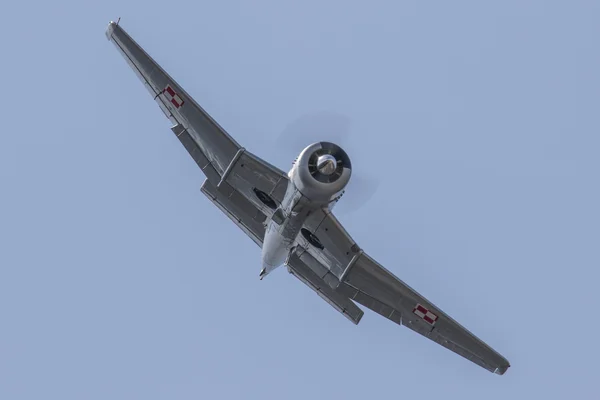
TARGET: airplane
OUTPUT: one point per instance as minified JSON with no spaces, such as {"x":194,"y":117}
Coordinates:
{"x":289,"y":216}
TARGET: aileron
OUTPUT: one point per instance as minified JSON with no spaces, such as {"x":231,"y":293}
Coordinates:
{"x":370,"y":284}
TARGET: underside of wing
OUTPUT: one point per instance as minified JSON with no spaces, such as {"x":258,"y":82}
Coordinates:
{"x":371,"y":285}
{"x":237,"y":208}
{"x":336,"y":250}
{"x":299,"y":269}
{"x":219,"y":156}
{"x":337,"y":259}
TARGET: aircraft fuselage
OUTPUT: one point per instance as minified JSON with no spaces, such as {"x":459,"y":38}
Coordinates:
{"x":316,"y":181}
{"x":283,"y":228}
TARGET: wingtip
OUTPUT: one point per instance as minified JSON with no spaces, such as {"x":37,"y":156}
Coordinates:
{"x":111,"y":28}
{"x":501,"y":370}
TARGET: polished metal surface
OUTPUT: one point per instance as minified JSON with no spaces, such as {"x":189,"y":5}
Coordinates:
{"x":272,"y":207}
{"x":326,"y":164}
{"x":320,"y":188}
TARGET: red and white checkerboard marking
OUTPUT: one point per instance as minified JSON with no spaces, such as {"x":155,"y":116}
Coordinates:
{"x":425,"y":314}
{"x":173,"y":96}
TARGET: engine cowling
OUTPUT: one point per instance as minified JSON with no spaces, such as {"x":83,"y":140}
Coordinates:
{"x":322,"y":171}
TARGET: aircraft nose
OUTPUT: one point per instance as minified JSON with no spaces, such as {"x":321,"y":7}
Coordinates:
{"x":326,"y":164}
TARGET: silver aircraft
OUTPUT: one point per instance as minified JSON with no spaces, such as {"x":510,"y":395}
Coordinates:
{"x":290,"y":216}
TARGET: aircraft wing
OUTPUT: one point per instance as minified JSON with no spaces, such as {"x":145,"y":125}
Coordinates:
{"x":351,"y":272}
{"x":225,"y":163}
{"x":239,"y":210}
{"x":297,"y":266}
{"x":250,"y":220}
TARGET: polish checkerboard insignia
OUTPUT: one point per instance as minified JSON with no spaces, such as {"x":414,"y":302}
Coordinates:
{"x":173,"y":97}
{"x":425,"y":314}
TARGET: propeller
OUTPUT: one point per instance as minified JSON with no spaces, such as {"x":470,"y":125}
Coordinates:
{"x":333,"y":127}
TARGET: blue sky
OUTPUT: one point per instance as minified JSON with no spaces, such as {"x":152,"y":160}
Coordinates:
{"x":120,"y":280}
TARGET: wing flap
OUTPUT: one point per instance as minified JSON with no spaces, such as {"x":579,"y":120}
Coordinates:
{"x":371,"y":303}
{"x":317,"y":268}
{"x":196,"y":153}
{"x":243,"y":213}
{"x":341,"y":303}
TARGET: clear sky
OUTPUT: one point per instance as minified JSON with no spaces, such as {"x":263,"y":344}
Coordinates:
{"x":120,"y":280}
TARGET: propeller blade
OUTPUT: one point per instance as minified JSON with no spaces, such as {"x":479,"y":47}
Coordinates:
{"x":358,"y":192}
{"x":312,"y":128}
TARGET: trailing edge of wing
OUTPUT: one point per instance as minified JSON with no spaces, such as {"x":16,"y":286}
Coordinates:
{"x":373,"y":286}
{"x":337,"y":300}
